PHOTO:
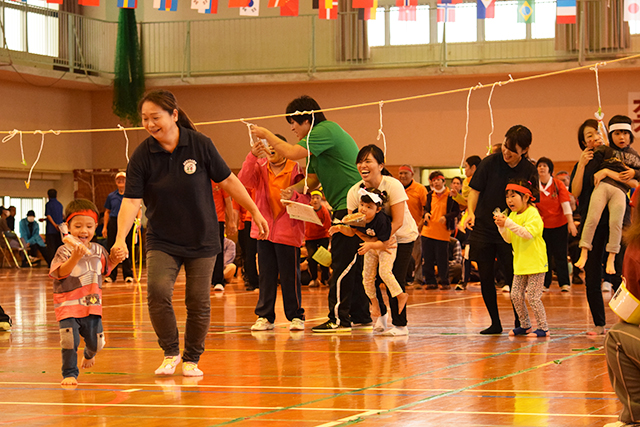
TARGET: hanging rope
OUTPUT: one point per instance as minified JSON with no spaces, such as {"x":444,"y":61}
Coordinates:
{"x":493,"y":86}
{"x":10,"y":136}
{"x":466,"y":129}
{"x":306,"y":171}
{"x":602,"y":129}
{"x":28,"y":181}
{"x":381,"y":133}
{"x":126,"y":149}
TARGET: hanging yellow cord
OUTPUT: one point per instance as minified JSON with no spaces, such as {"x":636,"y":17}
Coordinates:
{"x":347,"y":107}
{"x":136,"y":236}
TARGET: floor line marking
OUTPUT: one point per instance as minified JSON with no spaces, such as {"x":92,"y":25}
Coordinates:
{"x":346,"y":393}
{"x":489,"y":381}
{"x":347,"y":419}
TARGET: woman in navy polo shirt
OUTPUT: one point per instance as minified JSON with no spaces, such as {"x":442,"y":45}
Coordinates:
{"x":172,"y":172}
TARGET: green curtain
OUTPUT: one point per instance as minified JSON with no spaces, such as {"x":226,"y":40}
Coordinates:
{"x":128,"y":85}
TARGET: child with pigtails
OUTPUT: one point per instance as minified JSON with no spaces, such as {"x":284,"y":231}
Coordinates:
{"x":371,"y":223}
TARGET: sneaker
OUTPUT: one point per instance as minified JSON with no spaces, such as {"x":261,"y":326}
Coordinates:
{"x":565,"y":288}
{"x":219,"y":287}
{"x":108,"y":280}
{"x":314,"y":284}
{"x":129,"y":280}
{"x":362,"y":326}
{"x":381,"y":323}
{"x":296,"y":325}
{"x":577,"y":280}
{"x":330,"y":327}
{"x":5,"y":326}
{"x":606,"y":286}
{"x":459,"y":287}
{"x":168,"y":366}
{"x":545,"y":289}
{"x":396,"y":331}
{"x":506,"y":289}
{"x":263,"y":324}
{"x":190,"y":369}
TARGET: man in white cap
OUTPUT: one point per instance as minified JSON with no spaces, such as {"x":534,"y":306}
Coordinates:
{"x":110,"y":228}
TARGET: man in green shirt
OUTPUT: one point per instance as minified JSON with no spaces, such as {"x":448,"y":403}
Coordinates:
{"x":332,"y":156}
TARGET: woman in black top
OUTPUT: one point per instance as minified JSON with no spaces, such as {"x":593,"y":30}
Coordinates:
{"x":172,"y":172}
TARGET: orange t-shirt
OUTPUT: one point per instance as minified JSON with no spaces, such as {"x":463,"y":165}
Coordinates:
{"x":417,"y":194}
{"x":435,"y":229}
{"x":219,"y":195}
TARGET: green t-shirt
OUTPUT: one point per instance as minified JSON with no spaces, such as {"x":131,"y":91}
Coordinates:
{"x":333,"y":160}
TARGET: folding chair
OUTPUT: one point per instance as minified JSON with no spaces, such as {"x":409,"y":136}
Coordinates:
{"x":9,"y":249}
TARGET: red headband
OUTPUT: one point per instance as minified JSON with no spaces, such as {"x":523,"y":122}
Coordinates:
{"x":438,"y":177}
{"x":520,"y":189}
{"x":85,"y":212}
{"x":405,"y":168}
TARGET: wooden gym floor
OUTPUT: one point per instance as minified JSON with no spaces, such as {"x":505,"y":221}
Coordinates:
{"x":443,"y":373}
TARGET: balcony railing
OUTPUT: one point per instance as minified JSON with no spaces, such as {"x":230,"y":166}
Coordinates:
{"x":304,"y":44}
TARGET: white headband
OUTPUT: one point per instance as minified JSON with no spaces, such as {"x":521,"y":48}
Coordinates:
{"x":373,"y":196}
{"x":620,"y":126}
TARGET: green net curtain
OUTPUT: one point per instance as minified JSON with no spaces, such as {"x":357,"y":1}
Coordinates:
{"x":128,"y":85}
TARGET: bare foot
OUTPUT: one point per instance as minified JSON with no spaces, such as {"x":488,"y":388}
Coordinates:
{"x":611,"y":264}
{"x":583,"y":258}
{"x":87,"y":363}
{"x":375,"y":307}
{"x":402,"y":301}
{"x":69,"y":381}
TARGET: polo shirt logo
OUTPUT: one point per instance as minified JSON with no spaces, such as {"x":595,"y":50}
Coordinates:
{"x":190,"y":166}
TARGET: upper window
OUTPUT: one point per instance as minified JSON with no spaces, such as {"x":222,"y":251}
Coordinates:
{"x":31,"y":26}
{"x":409,"y":32}
{"x":465,"y":26}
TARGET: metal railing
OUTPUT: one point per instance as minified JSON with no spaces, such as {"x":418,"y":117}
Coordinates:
{"x":49,"y":38}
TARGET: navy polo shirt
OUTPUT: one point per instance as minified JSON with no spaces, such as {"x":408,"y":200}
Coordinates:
{"x":176,"y":189}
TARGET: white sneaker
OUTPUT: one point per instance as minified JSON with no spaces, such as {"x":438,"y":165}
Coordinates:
{"x":108,"y":280}
{"x":506,"y":289}
{"x":381,"y":323}
{"x":296,"y":325}
{"x":606,"y":286}
{"x":219,"y":287}
{"x":128,"y":280}
{"x":565,"y":288}
{"x":190,"y":369}
{"x":263,"y":324}
{"x":168,"y":366}
{"x":396,"y":331}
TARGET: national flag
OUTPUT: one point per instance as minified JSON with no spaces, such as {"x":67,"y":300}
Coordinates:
{"x":326,"y":13}
{"x":276,"y":3}
{"x":446,"y":11}
{"x":55,"y":1}
{"x":407,"y":13}
{"x":166,"y":5}
{"x":200,"y":4}
{"x":401,"y":3}
{"x":566,"y":12}
{"x":290,"y":8}
{"x":361,"y":4}
{"x":526,"y":11}
{"x":486,"y":9}
{"x":369,"y":12}
{"x":127,"y":4}
{"x":631,"y":10}
{"x":252,"y":10}
{"x":213,"y":7}
{"x":89,"y":2}
{"x":239,"y":3}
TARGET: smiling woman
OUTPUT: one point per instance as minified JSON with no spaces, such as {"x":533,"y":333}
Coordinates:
{"x":172,"y":171}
